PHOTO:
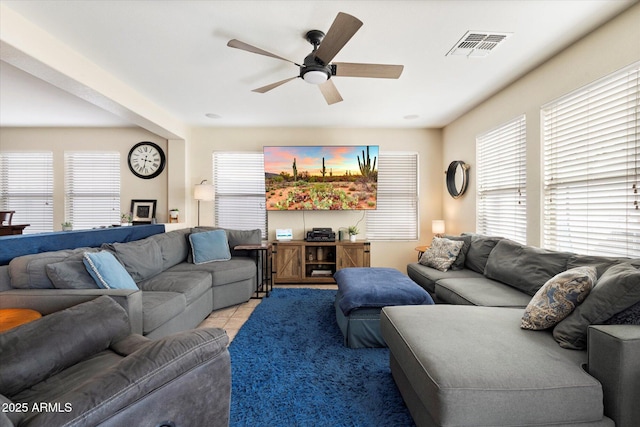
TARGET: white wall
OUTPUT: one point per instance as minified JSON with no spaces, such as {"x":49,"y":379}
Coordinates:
{"x":610,"y":48}
{"x":427,"y":142}
{"x":59,"y":140}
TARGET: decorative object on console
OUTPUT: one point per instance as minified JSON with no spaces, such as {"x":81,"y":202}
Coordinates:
{"x":174,"y":215}
{"x":321,"y":234}
{"x":437,"y":227}
{"x":284,"y":234}
{"x":457,"y":178}
{"x":146,"y":160}
{"x":203,"y":193}
{"x":67,"y":226}
{"x":142,"y":211}
{"x":353,"y":232}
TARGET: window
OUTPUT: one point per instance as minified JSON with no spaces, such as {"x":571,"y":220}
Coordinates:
{"x":238,"y":179}
{"x":26,"y":186}
{"x":502,"y":181}
{"x":396,"y":215}
{"x":591,"y":168}
{"x":92,"y":189}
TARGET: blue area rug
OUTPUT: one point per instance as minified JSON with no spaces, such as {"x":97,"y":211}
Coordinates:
{"x":290,"y":368}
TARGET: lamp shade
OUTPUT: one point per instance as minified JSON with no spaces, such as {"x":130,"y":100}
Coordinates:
{"x":204,"y":192}
{"x":437,"y":226}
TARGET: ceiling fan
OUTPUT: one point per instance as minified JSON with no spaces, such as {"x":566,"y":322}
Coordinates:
{"x":317,"y":67}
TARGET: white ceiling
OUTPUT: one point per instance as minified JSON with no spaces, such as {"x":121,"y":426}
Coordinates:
{"x":174,"y":53}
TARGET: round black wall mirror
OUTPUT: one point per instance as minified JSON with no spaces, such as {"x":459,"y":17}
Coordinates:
{"x":457,"y":178}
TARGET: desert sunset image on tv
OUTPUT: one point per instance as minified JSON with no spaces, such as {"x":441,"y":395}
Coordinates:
{"x":321,"y":177}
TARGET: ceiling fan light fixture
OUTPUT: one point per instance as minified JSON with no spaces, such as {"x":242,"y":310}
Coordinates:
{"x":315,"y":77}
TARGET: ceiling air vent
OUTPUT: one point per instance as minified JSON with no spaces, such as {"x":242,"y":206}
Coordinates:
{"x":477,"y":44}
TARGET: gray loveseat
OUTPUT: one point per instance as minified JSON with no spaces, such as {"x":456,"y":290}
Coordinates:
{"x":82,"y":367}
{"x":174,"y":294}
{"x":467,"y":362}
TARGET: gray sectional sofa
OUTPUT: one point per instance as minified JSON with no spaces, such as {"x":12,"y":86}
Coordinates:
{"x":467,"y":362}
{"x":174,"y":294}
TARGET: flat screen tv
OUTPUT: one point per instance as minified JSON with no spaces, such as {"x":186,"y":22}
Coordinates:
{"x":321,"y":177}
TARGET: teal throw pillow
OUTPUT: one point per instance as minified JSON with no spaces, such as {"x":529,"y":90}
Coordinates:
{"x":107,"y":271}
{"x":209,"y":246}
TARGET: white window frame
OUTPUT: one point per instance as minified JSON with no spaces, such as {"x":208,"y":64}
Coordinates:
{"x":591,"y":141}
{"x":501,"y":175}
{"x":92,"y":188}
{"x":396,"y":217}
{"x":26,"y":186}
{"x":238,"y":179}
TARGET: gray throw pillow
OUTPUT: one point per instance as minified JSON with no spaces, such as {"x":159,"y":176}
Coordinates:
{"x":557,"y":298}
{"x":479,"y":250}
{"x":70,"y":275}
{"x":142,"y":258}
{"x":617,"y":289}
{"x":524,"y":267}
{"x":441,"y":254}
{"x":458,"y":264}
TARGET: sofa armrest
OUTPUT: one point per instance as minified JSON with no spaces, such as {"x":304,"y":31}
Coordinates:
{"x":614,"y":352}
{"x":47,"y":301}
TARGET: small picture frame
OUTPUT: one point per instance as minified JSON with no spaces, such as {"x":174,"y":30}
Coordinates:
{"x":143,"y":211}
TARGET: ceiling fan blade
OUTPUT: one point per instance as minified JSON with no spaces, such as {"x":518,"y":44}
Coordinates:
{"x":330,"y":92}
{"x":340,"y":32}
{"x":244,"y":46}
{"x":267,"y":88}
{"x":381,"y":71}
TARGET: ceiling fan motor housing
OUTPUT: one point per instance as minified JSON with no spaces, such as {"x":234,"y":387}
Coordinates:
{"x":314,"y":71}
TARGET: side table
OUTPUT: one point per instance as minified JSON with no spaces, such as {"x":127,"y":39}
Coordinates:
{"x":264,"y":281}
{"x":421,"y":250}
{"x":12,"y":317}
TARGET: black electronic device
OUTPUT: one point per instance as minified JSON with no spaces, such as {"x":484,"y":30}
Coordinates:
{"x":321,"y":234}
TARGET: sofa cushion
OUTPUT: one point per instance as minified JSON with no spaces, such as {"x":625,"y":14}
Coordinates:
{"x":479,"y":250}
{"x":526,"y":268}
{"x":223,"y":273}
{"x":37,"y":350}
{"x":465,"y":381}
{"x":441,"y":254}
{"x":479,"y":291}
{"x":174,"y":247}
{"x":190,"y":283}
{"x":616,"y":290}
{"x":601,"y":263}
{"x":427,"y":276}
{"x":142,"y":259}
{"x":557,"y":298}
{"x":458,"y":264}
{"x":107,"y":272}
{"x":160,"y":307}
{"x":209,"y":246}
{"x":70,"y":275}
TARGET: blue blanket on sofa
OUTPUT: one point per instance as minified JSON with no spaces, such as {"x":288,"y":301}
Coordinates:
{"x":362,"y":287}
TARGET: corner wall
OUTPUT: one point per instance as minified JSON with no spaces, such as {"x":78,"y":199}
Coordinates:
{"x":611,"y":47}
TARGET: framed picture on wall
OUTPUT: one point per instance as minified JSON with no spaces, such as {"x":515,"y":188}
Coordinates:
{"x":143,"y":211}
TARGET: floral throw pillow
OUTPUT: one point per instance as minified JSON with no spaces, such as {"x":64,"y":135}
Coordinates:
{"x":441,"y":254}
{"x":557,"y":298}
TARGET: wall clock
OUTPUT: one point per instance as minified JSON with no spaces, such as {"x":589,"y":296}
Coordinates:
{"x":146,"y":160}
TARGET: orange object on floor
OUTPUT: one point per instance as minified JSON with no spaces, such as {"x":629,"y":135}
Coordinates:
{"x":12,"y":317}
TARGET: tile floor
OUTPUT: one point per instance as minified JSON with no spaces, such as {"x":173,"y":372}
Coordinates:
{"x":232,"y":318}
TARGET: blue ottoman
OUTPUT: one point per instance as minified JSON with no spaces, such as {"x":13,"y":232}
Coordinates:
{"x":362,"y":292}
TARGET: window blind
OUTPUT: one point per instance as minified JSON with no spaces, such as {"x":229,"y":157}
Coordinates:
{"x":92,"y":189}
{"x":502,"y":181}
{"x":396,"y":216}
{"x":26,"y":186}
{"x":239,"y":191}
{"x":591,"y":168}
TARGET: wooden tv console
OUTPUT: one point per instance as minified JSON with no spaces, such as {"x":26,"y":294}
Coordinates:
{"x":299,"y":261}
